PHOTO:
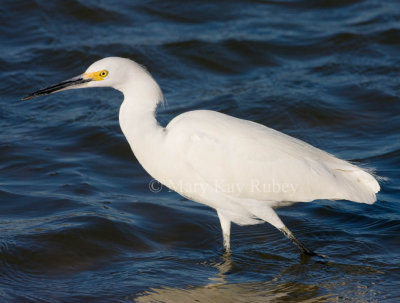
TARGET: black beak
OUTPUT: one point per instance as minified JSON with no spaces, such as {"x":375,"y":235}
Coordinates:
{"x":67,"y":84}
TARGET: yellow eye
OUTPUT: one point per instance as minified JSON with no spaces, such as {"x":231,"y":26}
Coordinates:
{"x":103,"y":73}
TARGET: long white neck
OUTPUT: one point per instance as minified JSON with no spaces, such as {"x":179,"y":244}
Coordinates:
{"x":138,"y":121}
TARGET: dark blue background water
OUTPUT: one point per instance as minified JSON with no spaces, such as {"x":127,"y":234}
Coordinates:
{"x":78,"y":222}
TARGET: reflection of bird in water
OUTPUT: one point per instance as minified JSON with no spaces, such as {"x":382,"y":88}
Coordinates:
{"x":224,"y":266}
{"x":240,"y":168}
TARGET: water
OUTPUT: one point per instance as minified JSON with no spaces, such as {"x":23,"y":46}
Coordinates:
{"x":78,"y":222}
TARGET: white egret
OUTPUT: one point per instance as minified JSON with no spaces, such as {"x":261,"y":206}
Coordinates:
{"x":240,"y":168}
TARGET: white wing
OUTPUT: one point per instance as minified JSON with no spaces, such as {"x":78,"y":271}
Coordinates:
{"x":250,"y":161}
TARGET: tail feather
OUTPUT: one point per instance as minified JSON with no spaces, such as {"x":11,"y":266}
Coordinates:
{"x":362,"y":186}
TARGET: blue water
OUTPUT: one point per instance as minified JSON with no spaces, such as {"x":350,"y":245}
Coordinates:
{"x":78,"y":222}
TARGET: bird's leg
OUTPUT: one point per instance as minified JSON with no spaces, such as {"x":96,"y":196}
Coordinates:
{"x":296,"y":242}
{"x":269,"y":215}
{"x":226,"y":230}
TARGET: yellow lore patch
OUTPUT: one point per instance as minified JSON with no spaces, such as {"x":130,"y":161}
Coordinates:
{"x":96,"y":76}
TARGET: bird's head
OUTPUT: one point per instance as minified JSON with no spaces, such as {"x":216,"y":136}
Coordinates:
{"x":108,"y":72}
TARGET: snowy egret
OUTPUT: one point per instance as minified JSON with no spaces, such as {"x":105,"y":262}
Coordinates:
{"x":240,"y":168}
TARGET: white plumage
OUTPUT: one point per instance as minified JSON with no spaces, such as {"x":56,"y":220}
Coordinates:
{"x":240,"y":168}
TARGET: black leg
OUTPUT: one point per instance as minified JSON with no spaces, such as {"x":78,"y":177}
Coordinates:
{"x":296,"y":242}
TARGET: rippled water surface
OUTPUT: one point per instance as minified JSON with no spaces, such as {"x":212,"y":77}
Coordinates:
{"x":78,"y":222}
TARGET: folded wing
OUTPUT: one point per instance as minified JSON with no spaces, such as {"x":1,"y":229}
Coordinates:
{"x":248,"y":160}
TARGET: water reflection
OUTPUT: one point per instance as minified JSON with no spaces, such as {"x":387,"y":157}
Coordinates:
{"x":255,"y":292}
{"x":292,"y":284}
{"x":223,"y":267}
